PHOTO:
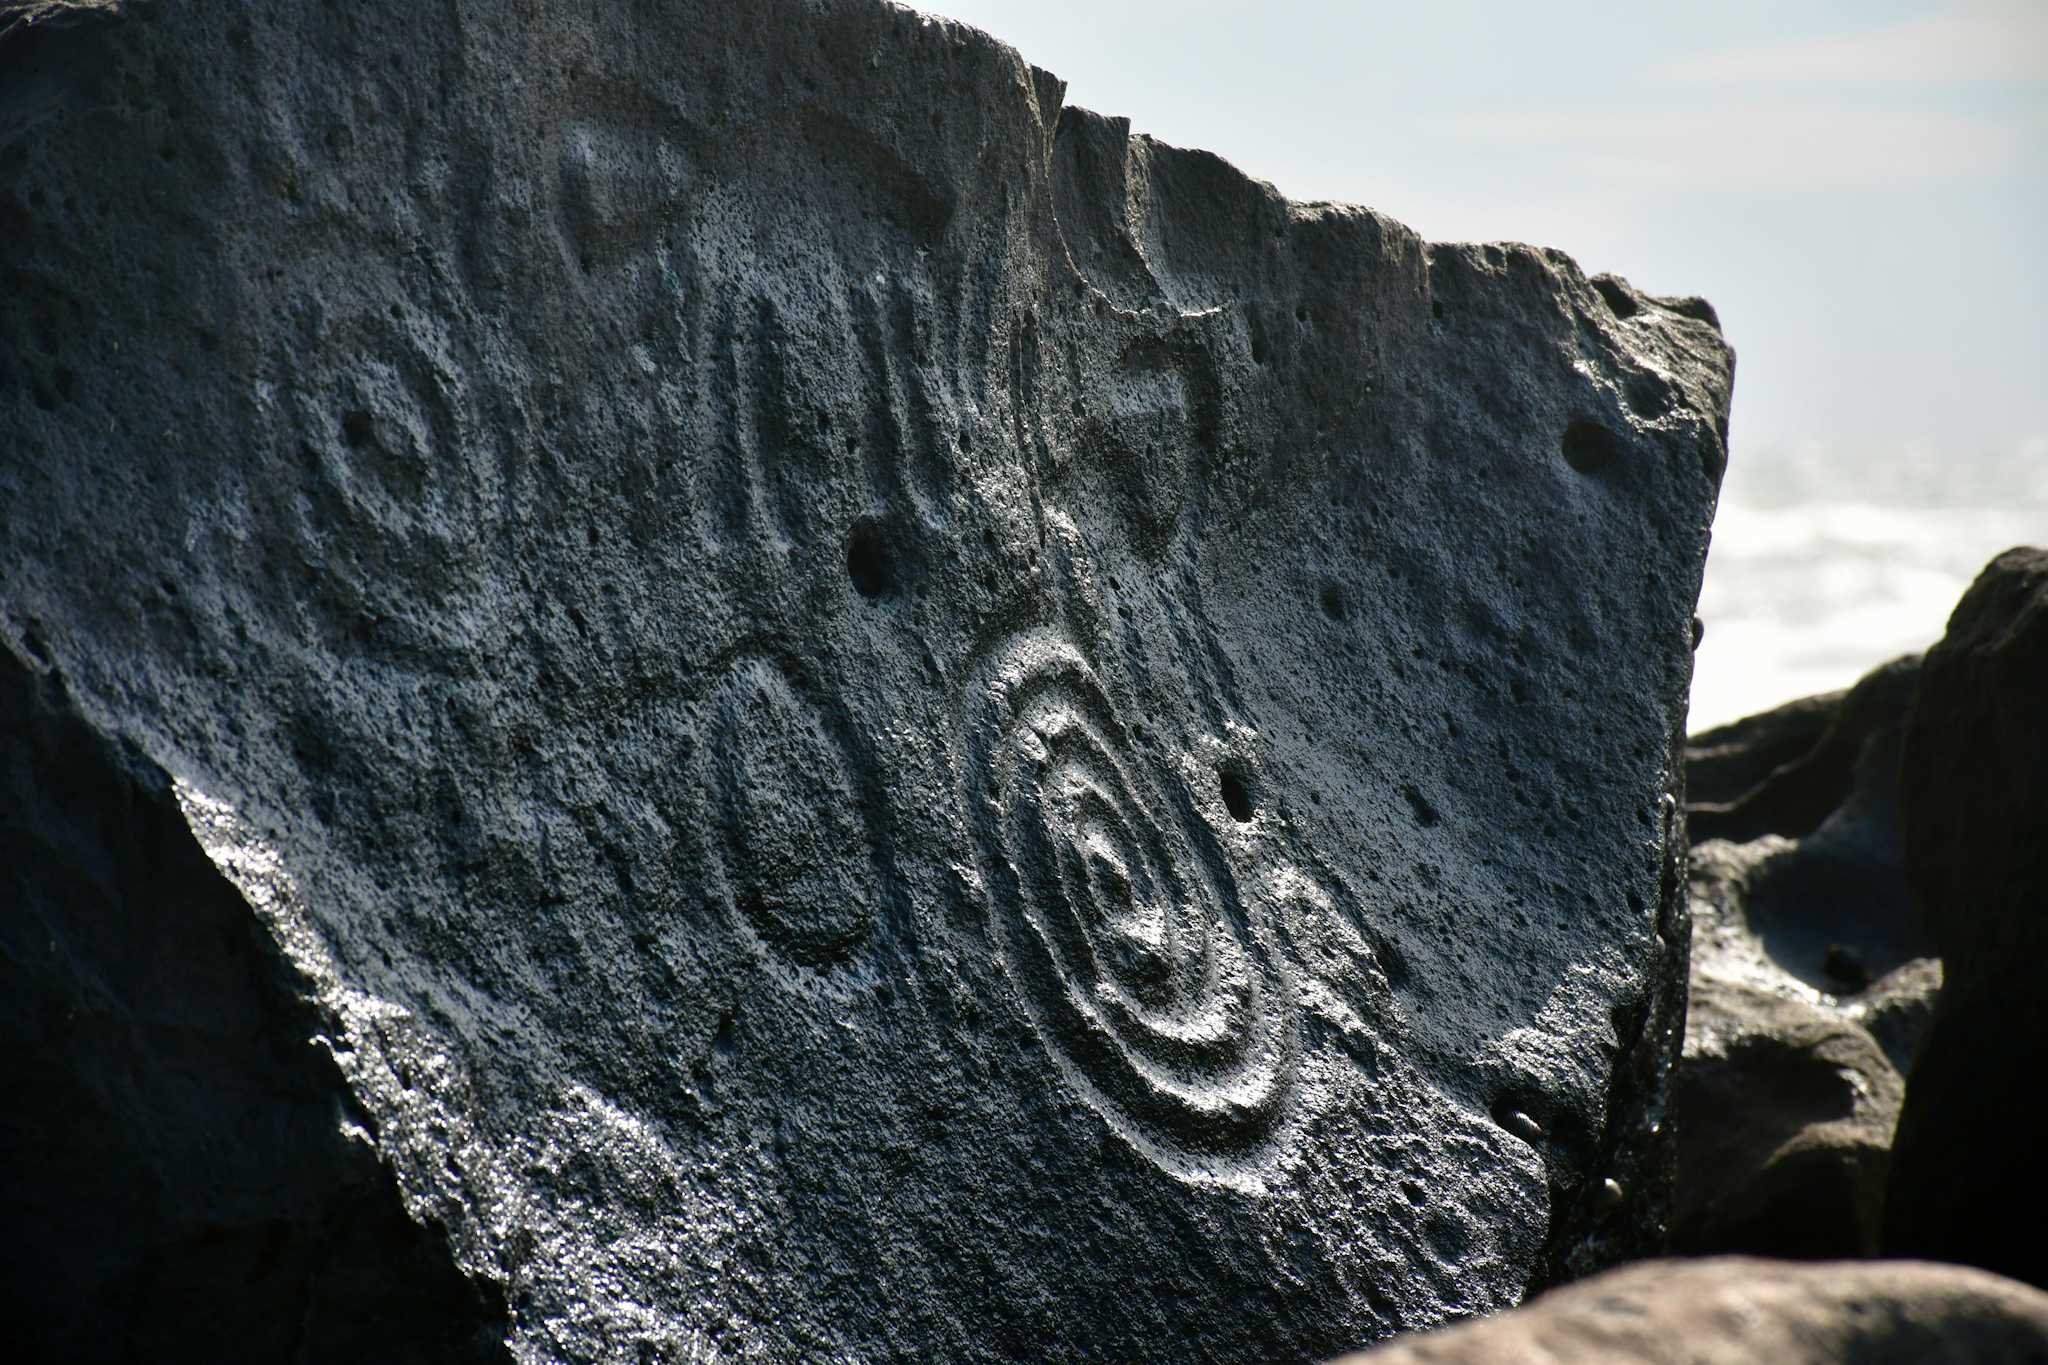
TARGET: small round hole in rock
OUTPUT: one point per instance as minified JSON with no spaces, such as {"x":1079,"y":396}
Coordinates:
{"x":1516,"y":1113}
{"x":1589,"y":447}
{"x":1648,"y":395}
{"x":1237,"y":797}
{"x":1844,"y":967}
{"x":1334,"y":605}
{"x":869,"y":562}
{"x":1615,"y":296}
{"x":357,"y":429}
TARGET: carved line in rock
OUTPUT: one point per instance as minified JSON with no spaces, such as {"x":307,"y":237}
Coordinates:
{"x":778,"y":435}
{"x":795,"y":833}
{"x":1120,"y":923}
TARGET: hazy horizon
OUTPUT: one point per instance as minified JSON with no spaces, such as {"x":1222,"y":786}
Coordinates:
{"x":1858,"y":187}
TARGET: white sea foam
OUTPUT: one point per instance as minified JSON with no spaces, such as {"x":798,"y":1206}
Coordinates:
{"x":1827,"y":562}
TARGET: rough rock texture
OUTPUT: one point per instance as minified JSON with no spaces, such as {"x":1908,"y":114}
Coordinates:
{"x":1811,"y":990}
{"x":1790,"y":769}
{"x":1968,"y":1183}
{"x":187,"y":1176}
{"x":1783,"y":1114}
{"x":16,"y":16}
{"x":1737,"y":1311}
{"x":1827,"y":900}
{"x":887,"y":722}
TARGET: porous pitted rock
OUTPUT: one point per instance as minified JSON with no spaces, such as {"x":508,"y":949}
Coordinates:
{"x":1819,"y":879}
{"x":187,"y":1177}
{"x":1783,"y":1114}
{"x":1968,"y":1179}
{"x":891,"y":723}
{"x":1741,"y":1311}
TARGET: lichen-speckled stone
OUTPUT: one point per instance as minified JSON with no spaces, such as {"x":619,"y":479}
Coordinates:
{"x":888,"y":722}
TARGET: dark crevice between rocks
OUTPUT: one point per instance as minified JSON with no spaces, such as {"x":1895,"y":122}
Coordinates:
{"x":1966,"y":1181}
{"x":174,"y":1172}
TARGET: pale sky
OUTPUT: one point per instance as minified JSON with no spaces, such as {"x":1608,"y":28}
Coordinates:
{"x":1857,"y":185}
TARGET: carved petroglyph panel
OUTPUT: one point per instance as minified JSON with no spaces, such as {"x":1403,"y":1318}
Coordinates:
{"x":792,"y":827}
{"x":1119,"y":921}
{"x":1156,"y":429}
{"x":1344,"y":983}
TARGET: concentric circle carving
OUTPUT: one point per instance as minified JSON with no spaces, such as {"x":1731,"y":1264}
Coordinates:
{"x":1117,"y":918}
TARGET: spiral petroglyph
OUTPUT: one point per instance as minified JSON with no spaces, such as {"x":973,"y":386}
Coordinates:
{"x":1118,"y":920}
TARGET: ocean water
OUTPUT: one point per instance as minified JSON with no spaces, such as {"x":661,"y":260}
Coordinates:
{"x":1827,"y":561}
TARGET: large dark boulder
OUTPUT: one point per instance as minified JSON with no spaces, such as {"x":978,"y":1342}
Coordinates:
{"x":1738,"y":1311}
{"x":886,"y":721}
{"x":1968,"y":1180}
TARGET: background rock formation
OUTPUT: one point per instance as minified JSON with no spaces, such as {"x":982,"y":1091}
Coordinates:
{"x":1882,"y":825}
{"x":1736,"y":1311}
{"x":1967,"y":1181}
{"x":1812,"y":980}
{"x":1783,"y":1113}
{"x":1812,"y":791}
{"x":883,"y":720}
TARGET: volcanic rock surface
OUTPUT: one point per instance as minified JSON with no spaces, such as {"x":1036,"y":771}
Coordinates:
{"x":1783,"y":1113}
{"x":1967,"y":1178}
{"x":1795,"y":814}
{"x":1739,"y":1311}
{"x":1812,"y":987}
{"x":883,"y":720}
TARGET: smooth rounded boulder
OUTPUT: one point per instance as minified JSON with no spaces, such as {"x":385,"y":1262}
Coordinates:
{"x":1741,"y":1310}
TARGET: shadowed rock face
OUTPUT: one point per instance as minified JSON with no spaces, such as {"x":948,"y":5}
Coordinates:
{"x":1783,"y":1113}
{"x":1967,"y":1182}
{"x":1809,"y":795}
{"x":1811,"y":990}
{"x":187,"y":1177}
{"x":888,"y":721}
